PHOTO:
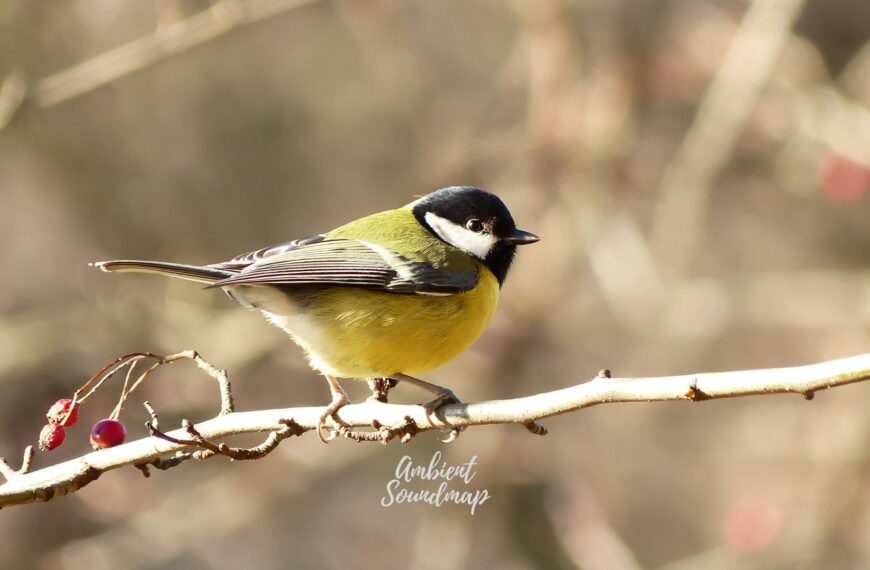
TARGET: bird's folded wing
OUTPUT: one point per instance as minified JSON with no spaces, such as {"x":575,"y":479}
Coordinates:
{"x":242,"y":261}
{"x":344,"y":262}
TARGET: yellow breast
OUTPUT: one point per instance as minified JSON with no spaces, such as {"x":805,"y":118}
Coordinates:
{"x":354,"y":333}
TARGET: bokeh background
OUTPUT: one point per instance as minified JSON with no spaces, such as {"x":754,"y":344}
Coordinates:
{"x":698,"y":172}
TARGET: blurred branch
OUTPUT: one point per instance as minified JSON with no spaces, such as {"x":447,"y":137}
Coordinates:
{"x":408,"y":420}
{"x":12,"y":93}
{"x":167,"y":40}
{"x":835,"y":121}
{"x":687,"y":183}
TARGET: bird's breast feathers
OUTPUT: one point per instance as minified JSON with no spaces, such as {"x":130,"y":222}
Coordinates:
{"x":358,"y":333}
{"x":436,"y":305}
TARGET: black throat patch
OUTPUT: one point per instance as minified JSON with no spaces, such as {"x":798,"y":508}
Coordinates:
{"x":499,"y":260}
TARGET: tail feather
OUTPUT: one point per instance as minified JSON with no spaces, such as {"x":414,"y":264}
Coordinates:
{"x":197,"y":273}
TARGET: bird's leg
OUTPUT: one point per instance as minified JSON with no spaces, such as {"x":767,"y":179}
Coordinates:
{"x":443,"y":396}
{"x":339,"y":400}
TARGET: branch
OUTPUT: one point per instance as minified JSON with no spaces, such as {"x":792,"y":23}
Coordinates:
{"x":686,"y":186}
{"x":170,"y":449}
{"x":165,"y":42}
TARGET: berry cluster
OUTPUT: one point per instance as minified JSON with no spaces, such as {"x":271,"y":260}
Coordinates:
{"x":64,"y":413}
{"x":110,"y":431}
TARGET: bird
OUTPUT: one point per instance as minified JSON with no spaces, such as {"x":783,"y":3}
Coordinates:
{"x":390,"y":295}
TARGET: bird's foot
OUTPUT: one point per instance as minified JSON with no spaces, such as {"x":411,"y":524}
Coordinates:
{"x":445,"y":397}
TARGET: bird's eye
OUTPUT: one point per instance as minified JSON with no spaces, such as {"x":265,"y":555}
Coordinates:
{"x":474,"y":225}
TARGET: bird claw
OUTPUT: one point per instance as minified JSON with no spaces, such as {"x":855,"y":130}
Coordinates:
{"x":326,"y":434}
{"x":329,"y":414}
{"x":452,"y":435}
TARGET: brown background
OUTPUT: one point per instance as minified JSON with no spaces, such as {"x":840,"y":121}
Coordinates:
{"x":727,"y":254}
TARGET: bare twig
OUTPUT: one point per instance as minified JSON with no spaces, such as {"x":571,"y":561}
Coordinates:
{"x":168,"y":39}
{"x":154,"y":421}
{"x":13,"y":89}
{"x":163,"y":463}
{"x":410,"y":420}
{"x":219,"y":375}
{"x":125,"y":391}
{"x":405,"y":431}
{"x":9,"y":473}
{"x":223,"y":381}
{"x":708,"y":144}
{"x":131,"y":360}
{"x":288,"y":428}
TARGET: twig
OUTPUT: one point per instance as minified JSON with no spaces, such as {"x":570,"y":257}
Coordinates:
{"x":9,"y":473}
{"x":227,"y":405}
{"x":125,"y":391}
{"x":384,"y":434}
{"x":131,"y":360}
{"x":288,"y":428}
{"x":154,"y":420}
{"x":163,"y":463}
{"x":13,"y":89}
{"x":167,"y":40}
{"x":805,"y":381}
{"x":708,"y":144}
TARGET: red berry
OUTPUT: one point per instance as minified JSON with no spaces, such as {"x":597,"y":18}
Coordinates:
{"x":51,"y":436}
{"x":844,"y":179}
{"x":107,"y":433}
{"x":59,"y":411}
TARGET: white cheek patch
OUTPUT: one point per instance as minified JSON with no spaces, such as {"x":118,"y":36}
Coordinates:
{"x":477,"y":244}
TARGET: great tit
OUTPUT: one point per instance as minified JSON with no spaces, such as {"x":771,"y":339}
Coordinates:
{"x":390,"y":295}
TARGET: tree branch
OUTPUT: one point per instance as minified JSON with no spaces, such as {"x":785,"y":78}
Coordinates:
{"x":686,"y":186}
{"x":170,"y":449}
{"x":166,"y":41}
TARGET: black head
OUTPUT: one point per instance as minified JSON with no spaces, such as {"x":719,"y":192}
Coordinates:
{"x":476,"y":222}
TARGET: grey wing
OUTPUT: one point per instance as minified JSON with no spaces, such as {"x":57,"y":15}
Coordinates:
{"x":349,"y":263}
{"x":242,"y":261}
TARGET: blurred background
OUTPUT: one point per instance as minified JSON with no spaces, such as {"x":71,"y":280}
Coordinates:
{"x":698,"y":172}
